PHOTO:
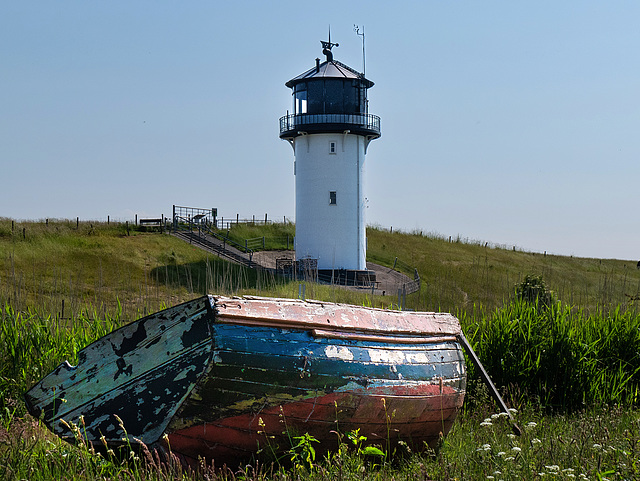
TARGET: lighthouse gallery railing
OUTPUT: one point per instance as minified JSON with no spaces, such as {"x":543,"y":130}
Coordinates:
{"x":363,"y":121}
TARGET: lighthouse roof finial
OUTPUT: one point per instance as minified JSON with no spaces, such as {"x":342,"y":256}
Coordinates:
{"x":327,"y":46}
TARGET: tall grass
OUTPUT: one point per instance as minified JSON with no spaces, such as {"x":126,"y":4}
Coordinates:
{"x":564,"y":358}
{"x":32,"y":344}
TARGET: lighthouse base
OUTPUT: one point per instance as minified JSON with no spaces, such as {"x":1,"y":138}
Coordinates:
{"x":347,"y":277}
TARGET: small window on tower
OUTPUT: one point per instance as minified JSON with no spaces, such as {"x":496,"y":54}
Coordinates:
{"x":332,"y":147}
{"x":332,"y":197}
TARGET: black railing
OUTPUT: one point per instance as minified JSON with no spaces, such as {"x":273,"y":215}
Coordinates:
{"x":294,"y":122}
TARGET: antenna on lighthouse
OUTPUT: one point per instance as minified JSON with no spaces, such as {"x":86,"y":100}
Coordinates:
{"x":357,"y":30}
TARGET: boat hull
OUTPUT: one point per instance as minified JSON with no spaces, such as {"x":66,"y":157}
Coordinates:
{"x":249,"y":373}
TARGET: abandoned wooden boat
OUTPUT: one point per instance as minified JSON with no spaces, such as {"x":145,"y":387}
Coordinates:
{"x":215,"y":376}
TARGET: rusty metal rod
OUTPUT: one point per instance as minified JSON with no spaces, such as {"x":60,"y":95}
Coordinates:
{"x":487,"y":380}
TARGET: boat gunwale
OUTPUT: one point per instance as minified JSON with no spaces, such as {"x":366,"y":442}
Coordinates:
{"x":398,"y":323}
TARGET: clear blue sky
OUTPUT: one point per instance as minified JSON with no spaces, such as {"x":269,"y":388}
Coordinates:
{"x":512,"y":122}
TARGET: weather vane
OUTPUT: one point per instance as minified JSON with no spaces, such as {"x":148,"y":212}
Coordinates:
{"x":357,"y":30}
{"x":327,"y":46}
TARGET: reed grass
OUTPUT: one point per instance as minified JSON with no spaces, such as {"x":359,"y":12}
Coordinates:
{"x":563,"y":358}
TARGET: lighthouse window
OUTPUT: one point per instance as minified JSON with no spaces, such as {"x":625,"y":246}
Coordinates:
{"x":332,"y":147}
{"x":332,"y":197}
{"x":300,"y":102}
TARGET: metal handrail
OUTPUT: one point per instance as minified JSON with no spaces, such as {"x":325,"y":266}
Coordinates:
{"x":294,"y":121}
{"x":207,"y":228}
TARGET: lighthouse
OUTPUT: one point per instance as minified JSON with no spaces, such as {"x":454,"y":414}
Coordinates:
{"x":330,"y":129}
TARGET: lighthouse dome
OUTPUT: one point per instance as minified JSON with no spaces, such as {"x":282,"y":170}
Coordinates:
{"x":330,"y":69}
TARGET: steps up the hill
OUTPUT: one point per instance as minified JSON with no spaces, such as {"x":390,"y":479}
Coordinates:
{"x":217,"y":247}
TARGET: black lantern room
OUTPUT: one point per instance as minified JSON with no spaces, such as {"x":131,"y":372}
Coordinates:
{"x":330,"y":97}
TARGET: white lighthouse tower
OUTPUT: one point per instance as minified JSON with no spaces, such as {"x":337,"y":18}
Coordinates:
{"x":330,"y":129}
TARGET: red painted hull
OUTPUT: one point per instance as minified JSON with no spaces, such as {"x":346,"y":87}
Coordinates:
{"x":415,"y":415}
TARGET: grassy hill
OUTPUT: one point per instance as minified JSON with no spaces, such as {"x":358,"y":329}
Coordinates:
{"x":60,"y":265}
{"x":63,"y":285}
{"x":457,"y":275}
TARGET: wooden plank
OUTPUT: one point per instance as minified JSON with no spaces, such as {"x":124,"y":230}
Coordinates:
{"x":356,"y":336}
{"x":141,"y":372}
{"x":299,"y":314}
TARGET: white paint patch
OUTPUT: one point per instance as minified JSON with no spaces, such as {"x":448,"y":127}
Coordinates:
{"x":417,"y":358}
{"x":386,"y":356}
{"x":338,"y":352}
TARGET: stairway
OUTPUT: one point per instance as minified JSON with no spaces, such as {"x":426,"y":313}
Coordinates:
{"x":218,"y":247}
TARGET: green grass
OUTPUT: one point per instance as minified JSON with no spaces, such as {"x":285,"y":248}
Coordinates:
{"x":277,"y":236}
{"x":571,"y":368}
{"x":459,"y":275}
{"x":97,"y":264}
{"x":562,"y":358}
{"x":103,"y":266}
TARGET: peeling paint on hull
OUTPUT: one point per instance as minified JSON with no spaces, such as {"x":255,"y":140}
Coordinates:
{"x":415,"y":419}
{"x":205,"y":372}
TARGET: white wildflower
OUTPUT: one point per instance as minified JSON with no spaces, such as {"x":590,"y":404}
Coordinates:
{"x":501,"y":453}
{"x":568,"y":470}
{"x":597,"y":446}
{"x":486,"y":423}
{"x":553,"y":467}
{"x":510,"y":458}
{"x":495,"y":416}
{"x":516,"y":449}
{"x":511,"y":436}
{"x":535,"y":441}
{"x":531,"y":425}
{"x":513,"y":411}
{"x":490,"y":477}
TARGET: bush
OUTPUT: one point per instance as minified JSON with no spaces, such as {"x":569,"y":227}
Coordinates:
{"x":533,"y":290}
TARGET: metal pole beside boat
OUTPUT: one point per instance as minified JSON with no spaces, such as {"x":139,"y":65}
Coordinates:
{"x":487,"y":380}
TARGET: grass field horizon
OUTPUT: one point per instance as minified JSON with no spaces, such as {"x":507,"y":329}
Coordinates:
{"x":43,"y":263}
